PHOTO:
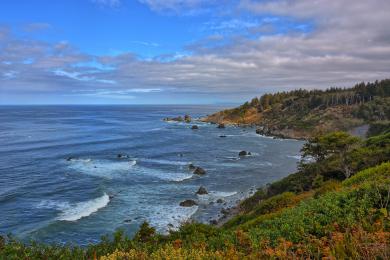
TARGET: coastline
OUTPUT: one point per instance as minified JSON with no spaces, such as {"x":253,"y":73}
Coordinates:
{"x":230,"y":212}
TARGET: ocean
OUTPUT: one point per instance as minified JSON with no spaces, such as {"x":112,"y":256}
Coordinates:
{"x":61,"y":180}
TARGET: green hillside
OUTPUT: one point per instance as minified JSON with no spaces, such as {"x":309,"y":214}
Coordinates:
{"x":304,"y":113}
{"x":335,"y":206}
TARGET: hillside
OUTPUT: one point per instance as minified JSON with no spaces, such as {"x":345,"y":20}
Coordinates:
{"x":335,"y":207}
{"x":302,"y":113}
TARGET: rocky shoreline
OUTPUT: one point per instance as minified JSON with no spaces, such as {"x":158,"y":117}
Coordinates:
{"x":232,"y":211}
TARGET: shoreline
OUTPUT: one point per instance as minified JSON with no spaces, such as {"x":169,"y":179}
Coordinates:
{"x":233,"y":211}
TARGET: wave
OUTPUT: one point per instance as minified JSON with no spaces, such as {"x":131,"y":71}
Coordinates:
{"x":101,"y":168}
{"x":84,"y":209}
{"x":167,"y":162}
{"x":169,"y":217}
{"x":298,"y":157}
{"x":214,"y":195}
{"x":163,"y":175}
{"x":75,"y":211}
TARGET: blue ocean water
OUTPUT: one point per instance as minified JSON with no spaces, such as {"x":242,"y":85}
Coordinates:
{"x":61,"y":179}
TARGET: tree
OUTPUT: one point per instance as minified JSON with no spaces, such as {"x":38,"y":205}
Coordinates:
{"x":334,"y":146}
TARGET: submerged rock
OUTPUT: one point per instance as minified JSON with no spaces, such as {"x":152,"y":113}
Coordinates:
{"x":222,"y":136}
{"x":199,"y":171}
{"x":194,"y":127}
{"x":188,"y":203}
{"x":69,"y":159}
{"x":202,"y":191}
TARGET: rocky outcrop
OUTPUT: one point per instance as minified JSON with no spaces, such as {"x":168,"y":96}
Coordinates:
{"x":194,"y":127}
{"x":187,"y":119}
{"x":191,"y":167}
{"x":122,"y":156}
{"x":188,"y":203}
{"x":199,"y":171}
{"x":202,"y":191}
{"x":174,"y":119}
{"x":244,"y":153}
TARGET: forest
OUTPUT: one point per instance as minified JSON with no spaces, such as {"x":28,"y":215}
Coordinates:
{"x":304,"y":113}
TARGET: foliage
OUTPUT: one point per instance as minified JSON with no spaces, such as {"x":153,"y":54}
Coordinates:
{"x":378,"y":128}
{"x":314,"y":213}
{"x":304,"y":113}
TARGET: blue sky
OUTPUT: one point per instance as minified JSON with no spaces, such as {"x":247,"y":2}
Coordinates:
{"x":184,"y":51}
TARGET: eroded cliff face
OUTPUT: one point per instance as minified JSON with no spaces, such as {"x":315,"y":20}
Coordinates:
{"x":288,"y":123}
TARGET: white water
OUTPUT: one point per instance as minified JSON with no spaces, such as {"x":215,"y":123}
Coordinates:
{"x":83,"y":209}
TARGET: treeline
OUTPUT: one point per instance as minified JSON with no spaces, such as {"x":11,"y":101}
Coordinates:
{"x":310,"y":99}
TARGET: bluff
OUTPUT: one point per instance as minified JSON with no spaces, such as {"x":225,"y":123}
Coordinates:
{"x":304,"y":113}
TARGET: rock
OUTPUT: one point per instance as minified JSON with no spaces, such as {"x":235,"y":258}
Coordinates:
{"x":188,"y":203}
{"x":191,"y":167}
{"x":202,"y":190}
{"x":170,"y":225}
{"x":243,"y":153}
{"x":176,"y":119}
{"x":127,"y":221}
{"x":199,"y":171}
{"x":224,"y":211}
{"x":221,"y":126}
{"x":219,"y":200}
{"x":194,"y":127}
{"x":213,"y":222}
{"x":249,"y":153}
{"x":121,"y":156}
{"x":69,"y":159}
{"x":187,"y":119}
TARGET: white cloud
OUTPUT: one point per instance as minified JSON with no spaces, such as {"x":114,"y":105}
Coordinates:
{"x":108,"y":3}
{"x":350,"y":42}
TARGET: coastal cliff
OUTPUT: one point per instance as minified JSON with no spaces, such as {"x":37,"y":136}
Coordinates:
{"x":301,"y":114}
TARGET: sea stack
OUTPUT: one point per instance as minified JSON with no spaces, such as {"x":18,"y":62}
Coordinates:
{"x":199,"y":171}
{"x":202,"y":191}
{"x":188,"y":203}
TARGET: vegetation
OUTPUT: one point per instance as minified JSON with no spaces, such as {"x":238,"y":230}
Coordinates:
{"x":323,"y":210}
{"x":336,"y":206}
{"x":305,"y":113}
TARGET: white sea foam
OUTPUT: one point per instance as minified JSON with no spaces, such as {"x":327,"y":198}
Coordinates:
{"x":167,"y":162}
{"x":168,"y":217}
{"x":214,"y":195}
{"x":298,"y":157}
{"x":75,"y":211}
{"x":83,"y":209}
{"x":163,"y":175}
{"x":101,"y":168}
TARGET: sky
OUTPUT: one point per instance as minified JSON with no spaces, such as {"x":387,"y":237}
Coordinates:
{"x":186,"y":51}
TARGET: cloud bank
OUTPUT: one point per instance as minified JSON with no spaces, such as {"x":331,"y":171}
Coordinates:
{"x":349,"y":42}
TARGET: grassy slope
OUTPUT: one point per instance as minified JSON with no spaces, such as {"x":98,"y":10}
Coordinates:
{"x":300,"y":216}
{"x":295,"y":116}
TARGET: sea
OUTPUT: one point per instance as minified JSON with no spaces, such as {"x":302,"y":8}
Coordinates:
{"x":71,"y":174}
